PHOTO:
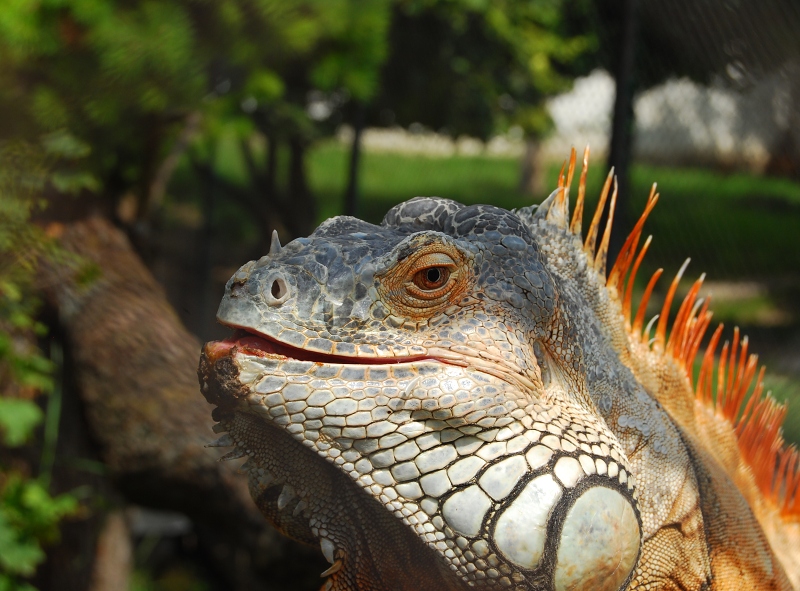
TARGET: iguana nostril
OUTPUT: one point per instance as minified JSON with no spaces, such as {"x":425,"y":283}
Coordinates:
{"x":279,"y":292}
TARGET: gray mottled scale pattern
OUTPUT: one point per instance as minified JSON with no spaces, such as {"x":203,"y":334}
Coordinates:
{"x":495,"y":432}
{"x":421,"y":213}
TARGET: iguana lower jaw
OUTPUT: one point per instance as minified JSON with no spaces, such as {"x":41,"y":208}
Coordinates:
{"x":308,"y":498}
{"x":460,"y":456}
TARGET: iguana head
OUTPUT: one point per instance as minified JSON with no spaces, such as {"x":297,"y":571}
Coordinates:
{"x":413,"y":397}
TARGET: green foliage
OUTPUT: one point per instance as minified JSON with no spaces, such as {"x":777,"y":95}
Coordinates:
{"x":359,"y":50}
{"x":29,"y":515}
{"x":82,"y":73}
{"x":479,"y":67}
{"x":21,"y":245}
{"x":18,"y":419}
{"x":128,"y":79}
{"x":265,"y":86}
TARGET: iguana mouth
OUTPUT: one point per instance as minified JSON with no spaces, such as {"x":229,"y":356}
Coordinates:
{"x":260,"y":345}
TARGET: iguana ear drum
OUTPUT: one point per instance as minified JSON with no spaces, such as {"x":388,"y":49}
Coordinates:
{"x":599,"y":538}
{"x":599,"y":542}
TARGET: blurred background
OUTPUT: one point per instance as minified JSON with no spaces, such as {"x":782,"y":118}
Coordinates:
{"x":189,"y":130}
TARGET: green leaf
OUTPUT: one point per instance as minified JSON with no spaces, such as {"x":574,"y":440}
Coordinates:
{"x":10,"y":290}
{"x":13,"y":584}
{"x":65,"y":145}
{"x":265,"y":86}
{"x":48,"y":108}
{"x":17,"y":556}
{"x":18,"y":419}
{"x":45,"y":511}
{"x":72,"y":183}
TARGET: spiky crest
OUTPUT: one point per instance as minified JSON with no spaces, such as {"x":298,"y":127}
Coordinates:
{"x":577,"y":216}
{"x":730,"y":385}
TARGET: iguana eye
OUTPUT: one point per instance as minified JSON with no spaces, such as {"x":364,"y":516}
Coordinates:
{"x":431,"y":278}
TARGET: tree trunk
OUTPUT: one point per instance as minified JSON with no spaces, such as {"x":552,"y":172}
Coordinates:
{"x":531,"y":179}
{"x":622,"y":126}
{"x":351,"y":194}
{"x":300,"y":207}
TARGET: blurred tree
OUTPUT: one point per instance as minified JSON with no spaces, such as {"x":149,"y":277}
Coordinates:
{"x":141,"y":82}
{"x":712,"y":40}
{"x":477,"y":68}
{"x":110,"y":77}
{"x":733,"y":43}
{"x":480,"y":68}
{"x":289,"y":90}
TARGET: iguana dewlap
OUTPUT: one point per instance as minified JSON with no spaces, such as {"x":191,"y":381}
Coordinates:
{"x":458,"y":398}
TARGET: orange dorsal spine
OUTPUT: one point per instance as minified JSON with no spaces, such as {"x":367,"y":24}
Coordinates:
{"x":731,"y":384}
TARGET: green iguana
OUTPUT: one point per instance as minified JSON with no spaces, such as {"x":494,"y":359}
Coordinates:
{"x":460,"y":398}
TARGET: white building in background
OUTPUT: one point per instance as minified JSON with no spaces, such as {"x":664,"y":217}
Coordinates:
{"x":682,"y":122}
{"x":678,"y":122}
{"x":582,"y":117}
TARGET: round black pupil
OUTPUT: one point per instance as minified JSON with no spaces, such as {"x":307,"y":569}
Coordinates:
{"x":434,"y":275}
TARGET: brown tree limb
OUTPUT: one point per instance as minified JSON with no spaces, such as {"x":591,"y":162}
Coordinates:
{"x":134,"y":366}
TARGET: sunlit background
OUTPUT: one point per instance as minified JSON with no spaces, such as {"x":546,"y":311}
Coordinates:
{"x":198,"y":127}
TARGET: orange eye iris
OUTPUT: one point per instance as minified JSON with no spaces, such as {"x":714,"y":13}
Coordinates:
{"x":426,"y":282}
{"x":431,"y":278}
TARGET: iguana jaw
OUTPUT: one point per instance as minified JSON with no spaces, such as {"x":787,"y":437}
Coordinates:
{"x":252,"y":342}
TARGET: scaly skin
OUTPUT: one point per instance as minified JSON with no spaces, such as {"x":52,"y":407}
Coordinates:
{"x":448,"y":401}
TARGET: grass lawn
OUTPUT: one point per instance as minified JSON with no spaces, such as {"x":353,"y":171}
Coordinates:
{"x":388,"y":179}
